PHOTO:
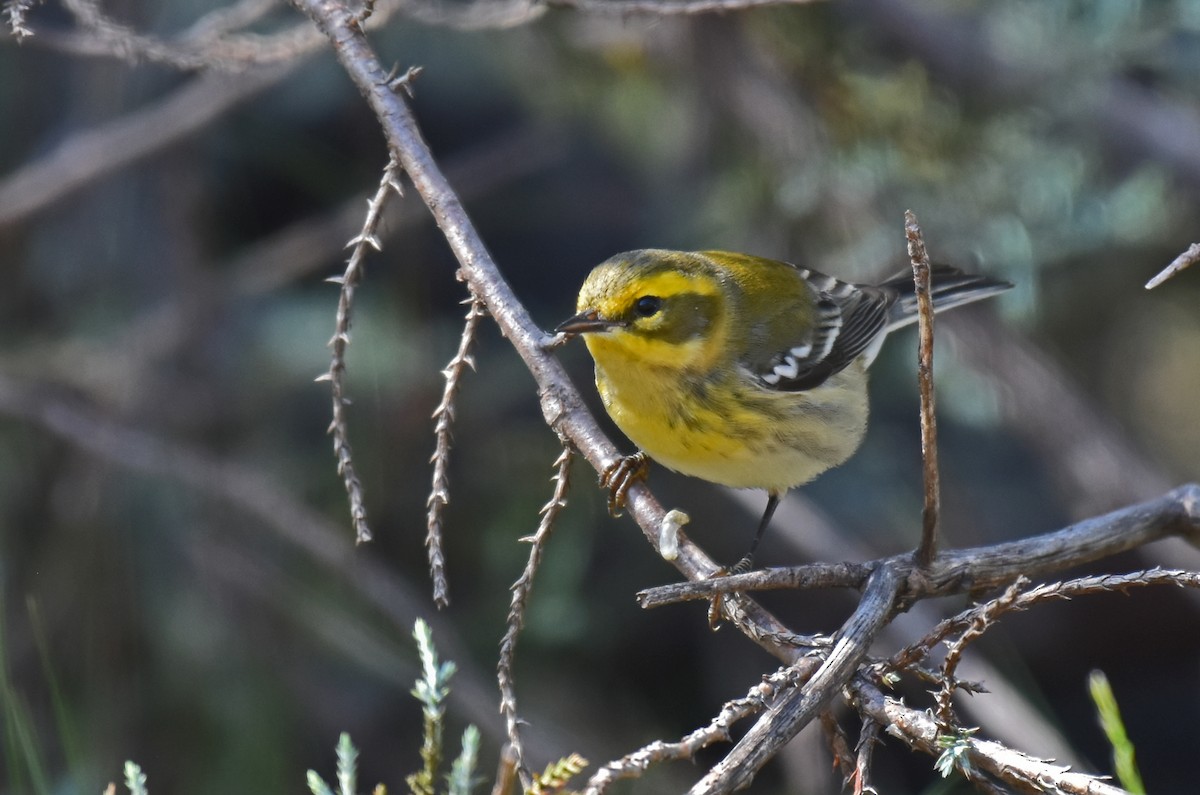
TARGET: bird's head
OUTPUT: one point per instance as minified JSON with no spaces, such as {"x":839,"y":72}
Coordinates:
{"x":657,"y":306}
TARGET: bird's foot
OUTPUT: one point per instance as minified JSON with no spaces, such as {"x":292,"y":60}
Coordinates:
{"x":716,"y":607}
{"x":620,"y":477}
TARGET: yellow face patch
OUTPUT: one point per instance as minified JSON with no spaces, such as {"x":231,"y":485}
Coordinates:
{"x":666,"y":317}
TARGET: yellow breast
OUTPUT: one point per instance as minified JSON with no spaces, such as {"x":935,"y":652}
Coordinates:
{"x":725,"y":428}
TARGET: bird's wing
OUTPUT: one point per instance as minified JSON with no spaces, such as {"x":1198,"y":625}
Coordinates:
{"x":849,"y":318}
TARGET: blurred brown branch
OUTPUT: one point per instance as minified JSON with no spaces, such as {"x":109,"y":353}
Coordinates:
{"x":668,"y":7}
{"x":92,"y":154}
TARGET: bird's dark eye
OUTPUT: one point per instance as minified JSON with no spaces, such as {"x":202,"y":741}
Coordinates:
{"x":648,"y":305}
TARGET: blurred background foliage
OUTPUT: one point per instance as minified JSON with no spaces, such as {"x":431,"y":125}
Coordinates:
{"x":178,"y":580}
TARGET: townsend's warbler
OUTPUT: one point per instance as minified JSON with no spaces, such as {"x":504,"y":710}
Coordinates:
{"x":742,"y":370}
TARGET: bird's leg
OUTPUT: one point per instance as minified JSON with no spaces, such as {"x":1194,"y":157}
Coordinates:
{"x":620,"y":476}
{"x":747,"y":562}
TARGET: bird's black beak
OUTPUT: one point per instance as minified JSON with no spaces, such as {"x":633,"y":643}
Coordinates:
{"x":586,"y":321}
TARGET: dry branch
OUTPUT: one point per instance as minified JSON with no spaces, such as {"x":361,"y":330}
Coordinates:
{"x":516,"y":612}
{"x":1176,"y":513}
{"x":1180,"y":263}
{"x":339,"y":427}
{"x":97,"y":152}
{"x":443,"y":417}
{"x":799,"y":708}
{"x":929,"y":454}
{"x":1020,"y":771}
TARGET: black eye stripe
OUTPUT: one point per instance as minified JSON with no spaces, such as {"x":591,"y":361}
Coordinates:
{"x":647,"y":305}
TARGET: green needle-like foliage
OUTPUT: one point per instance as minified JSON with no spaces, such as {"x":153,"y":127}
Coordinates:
{"x":431,"y":690}
{"x":135,"y":779}
{"x":1109,"y":714}
{"x":954,"y":753}
{"x":462,"y":772}
{"x":557,"y":775}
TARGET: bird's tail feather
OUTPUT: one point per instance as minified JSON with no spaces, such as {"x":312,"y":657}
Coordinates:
{"x":948,"y":286}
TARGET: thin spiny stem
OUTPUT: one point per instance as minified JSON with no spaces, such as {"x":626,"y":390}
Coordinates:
{"x":516,"y":612}
{"x":932,"y":509}
{"x":443,"y":415}
{"x":868,"y":738}
{"x":954,"y":650}
{"x":1081,"y":586}
{"x":336,"y":375}
{"x":635,"y":764}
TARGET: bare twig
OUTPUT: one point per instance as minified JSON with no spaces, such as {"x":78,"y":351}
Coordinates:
{"x":94,"y":153}
{"x":516,"y":611}
{"x":506,"y":772}
{"x":868,"y":738}
{"x":224,"y":20}
{"x":1069,"y":589}
{"x":1180,"y":263}
{"x":839,"y":745}
{"x":954,"y":650}
{"x":335,"y":375}
{"x":635,"y":764}
{"x":1024,"y":773}
{"x":213,"y":42}
{"x":1176,"y":513}
{"x":443,"y":415}
{"x":808,"y":576}
{"x":929,"y":455}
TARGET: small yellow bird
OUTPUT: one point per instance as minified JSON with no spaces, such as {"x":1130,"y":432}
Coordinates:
{"x":742,"y":370}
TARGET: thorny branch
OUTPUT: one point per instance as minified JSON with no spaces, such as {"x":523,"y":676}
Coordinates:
{"x":954,"y":651}
{"x":1082,"y":586}
{"x":1024,"y":773}
{"x":516,"y":612}
{"x":443,"y":415}
{"x":348,"y":281}
{"x":633,"y":765}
